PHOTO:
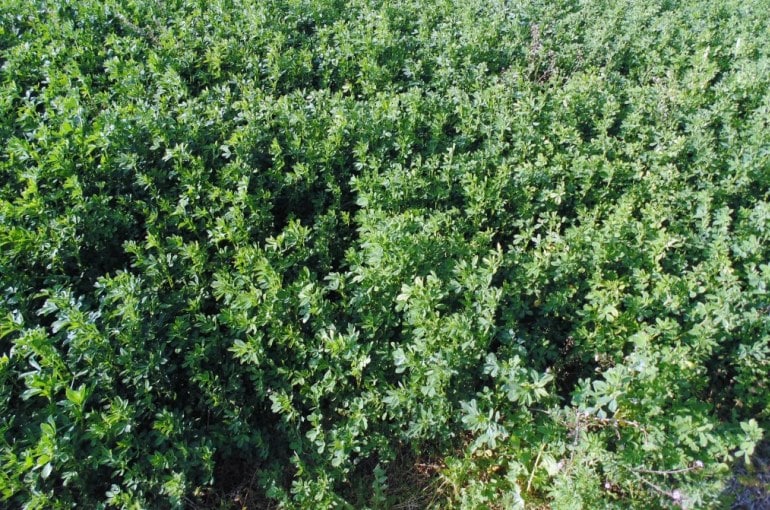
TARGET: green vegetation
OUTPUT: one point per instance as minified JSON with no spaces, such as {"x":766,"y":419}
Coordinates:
{"x":326,"y":254}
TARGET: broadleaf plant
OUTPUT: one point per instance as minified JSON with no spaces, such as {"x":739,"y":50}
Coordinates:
{"x":315,"y":254}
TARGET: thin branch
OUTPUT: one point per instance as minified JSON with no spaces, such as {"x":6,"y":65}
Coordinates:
{"x":698,"y":465}
{"x":534,"y":467}
{"x":663,"y":492}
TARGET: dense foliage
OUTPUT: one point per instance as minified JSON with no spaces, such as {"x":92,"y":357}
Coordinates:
{"x":302,"y":246}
